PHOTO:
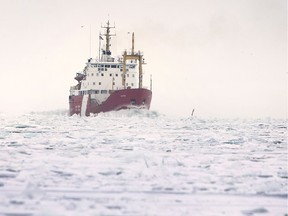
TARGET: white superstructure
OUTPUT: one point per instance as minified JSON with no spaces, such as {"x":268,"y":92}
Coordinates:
{"x":102,"y":77}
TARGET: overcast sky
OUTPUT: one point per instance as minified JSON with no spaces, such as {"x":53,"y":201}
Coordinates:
{"x":225,"y":58}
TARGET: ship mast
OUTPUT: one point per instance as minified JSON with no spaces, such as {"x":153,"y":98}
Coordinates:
{"x":133,"y":56}
{"x":132,"y":43}
{"x":107,"y":37}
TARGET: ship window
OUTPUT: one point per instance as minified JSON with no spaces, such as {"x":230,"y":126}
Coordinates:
{"x":93,"y":83}
{"x":113,"y":83}
{"x":99,"y":83}
{"x":121,"y":69}
{"x":105,"y":69}
{"x":97,"y":74}
{"x":102,"y":69}
{"x":107,"y":66}
{"x":103,"y":91}
{"x":116,"y":75}
{"x":110,"y":74}
{"x":127,"y":75}
{"x":133,"y":102}
{"x":132,"y":84}
{"x":133,"y":75}
{"x":101,"y":65}
{"x":92,"y":74}
{"x":113,"y":66}
{"x":102,"y":74}
{"x":127,"y":69}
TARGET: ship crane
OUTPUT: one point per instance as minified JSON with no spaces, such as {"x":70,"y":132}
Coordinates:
{"x":133,"y":56}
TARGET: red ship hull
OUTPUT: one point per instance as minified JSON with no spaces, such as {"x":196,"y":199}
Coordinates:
{"x":120,"y":99}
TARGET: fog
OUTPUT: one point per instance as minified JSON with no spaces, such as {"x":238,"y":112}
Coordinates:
{"x":223,"y":58}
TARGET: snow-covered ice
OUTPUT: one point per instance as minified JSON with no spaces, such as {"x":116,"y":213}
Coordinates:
{"x":141,"y":163}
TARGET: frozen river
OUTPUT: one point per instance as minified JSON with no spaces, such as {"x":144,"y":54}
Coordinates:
{"x":141,"y":163}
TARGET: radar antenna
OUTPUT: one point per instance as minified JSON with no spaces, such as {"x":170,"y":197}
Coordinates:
{"x":107,"y":37}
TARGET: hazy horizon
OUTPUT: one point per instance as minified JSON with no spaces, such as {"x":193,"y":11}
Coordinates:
{"x":225,"y":59}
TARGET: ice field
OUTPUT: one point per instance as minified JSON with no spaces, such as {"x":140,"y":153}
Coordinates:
{"x":141,"y":163}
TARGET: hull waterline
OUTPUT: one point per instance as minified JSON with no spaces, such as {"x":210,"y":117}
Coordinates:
{"x":121,"y":99}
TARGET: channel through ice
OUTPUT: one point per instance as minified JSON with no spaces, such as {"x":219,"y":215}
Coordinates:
{"x":137,"y":162}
